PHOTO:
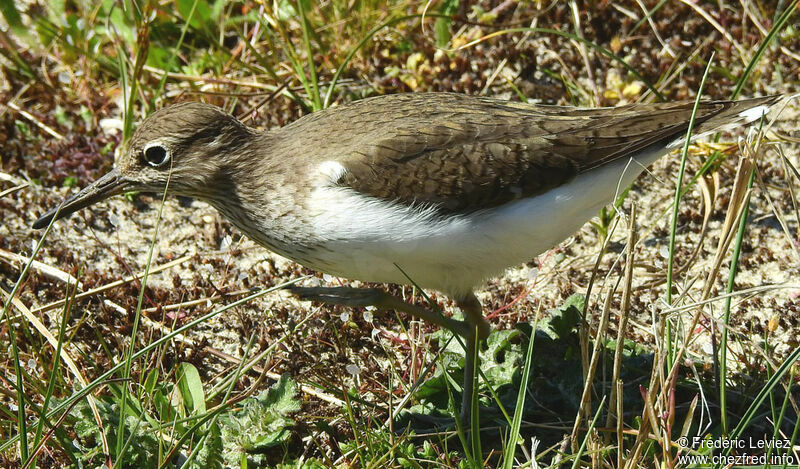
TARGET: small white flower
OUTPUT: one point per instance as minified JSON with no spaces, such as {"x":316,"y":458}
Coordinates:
{"x":345,"y":316}
{"x":367,"y":315}
{"x":534,"y":449}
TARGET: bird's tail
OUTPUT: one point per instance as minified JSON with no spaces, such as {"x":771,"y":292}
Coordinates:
{"x":731,"y":114}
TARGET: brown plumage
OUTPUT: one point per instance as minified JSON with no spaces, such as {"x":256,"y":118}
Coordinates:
{"x":461,"y":153}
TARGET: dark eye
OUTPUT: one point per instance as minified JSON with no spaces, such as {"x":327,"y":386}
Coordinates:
{"x":155,"y":154}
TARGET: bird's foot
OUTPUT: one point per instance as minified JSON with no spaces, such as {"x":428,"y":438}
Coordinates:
{"x":344,"y":296}
{"x":363,"y":297}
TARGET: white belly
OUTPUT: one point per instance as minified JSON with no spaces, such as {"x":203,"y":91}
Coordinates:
{"x":371,"y":240}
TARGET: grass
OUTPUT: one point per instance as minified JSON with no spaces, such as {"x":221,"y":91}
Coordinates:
{"x":140,"y":373}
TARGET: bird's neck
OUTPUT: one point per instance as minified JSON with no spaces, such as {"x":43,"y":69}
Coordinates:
{"x":251,"y":191}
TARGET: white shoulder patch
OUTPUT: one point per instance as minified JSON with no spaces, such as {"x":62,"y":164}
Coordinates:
{"x":331,"y":170}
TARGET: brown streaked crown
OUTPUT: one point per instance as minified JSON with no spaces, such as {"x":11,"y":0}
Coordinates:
{"x":194,"y":138}
{"x":184,"y":144}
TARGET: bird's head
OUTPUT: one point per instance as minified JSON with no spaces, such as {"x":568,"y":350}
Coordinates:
{"x":182,"y":148}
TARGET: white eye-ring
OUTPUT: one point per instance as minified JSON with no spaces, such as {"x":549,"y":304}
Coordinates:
{"x":155,"y":154}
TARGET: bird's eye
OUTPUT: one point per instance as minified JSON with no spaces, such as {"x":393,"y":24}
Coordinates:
{"x":155,"y":154}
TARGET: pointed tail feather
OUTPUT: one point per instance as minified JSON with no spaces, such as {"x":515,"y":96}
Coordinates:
{"x":730,"y":115}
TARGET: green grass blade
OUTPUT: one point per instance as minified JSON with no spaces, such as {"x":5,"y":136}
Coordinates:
{"x":163,"y":80}
{"x":210,"y":417}
{"x":329,"y":94}
{"x":312,"y":67}
{"x":602,"y":50}
{"x":734,"y":268}
{"x":513,"y":435}
{"x":388,"y":23}
{"x":773,"y":33}
{"x":126,"y":371}
{"x":776,"y":431}
{"x":393,"y":21}
{"x":762,"y":395}
{"x":577,"y":457}
{"x":14,"y":21}
{"x":13,"y":55}
{"x":675,"y":206}
{"x":51,"y":384}
{"x":105,"y":376}
{"x":475,"y":415}
{"x":649,"y":13}
{"x":22,"y":428}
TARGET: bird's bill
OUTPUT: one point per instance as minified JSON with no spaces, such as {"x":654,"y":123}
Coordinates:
{"x":109,"y":185}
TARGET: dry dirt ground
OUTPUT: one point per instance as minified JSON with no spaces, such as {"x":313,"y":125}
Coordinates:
{"x":112,"y":240}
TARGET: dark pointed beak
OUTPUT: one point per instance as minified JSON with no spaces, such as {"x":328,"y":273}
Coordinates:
{"x":105,"y":187}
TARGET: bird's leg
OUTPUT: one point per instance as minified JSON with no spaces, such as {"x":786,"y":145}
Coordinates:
{"x":363,"y":297}
{"x":473,"y":322}
{"x":473,"y":315}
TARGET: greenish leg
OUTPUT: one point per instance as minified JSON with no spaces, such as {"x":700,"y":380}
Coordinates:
{"x":469,"y":305}
{"x":473,"y":314}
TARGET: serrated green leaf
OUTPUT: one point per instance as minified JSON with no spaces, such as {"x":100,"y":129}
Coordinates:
{"x":86,"y":115}
{"x":501,"y":360}
{"x":56,"y":9}
{"x":61,"y":116}
{"x":142,"y":447}
{"x":283,"y":396}
{"x":286,"y":10}
{"x":566,"y":317}
{"x":261,"y":422}
{"x":210,"y":454}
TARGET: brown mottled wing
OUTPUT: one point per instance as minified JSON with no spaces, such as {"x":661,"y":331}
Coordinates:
{"x":464,"y":177}
{"x":463,"y":154}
